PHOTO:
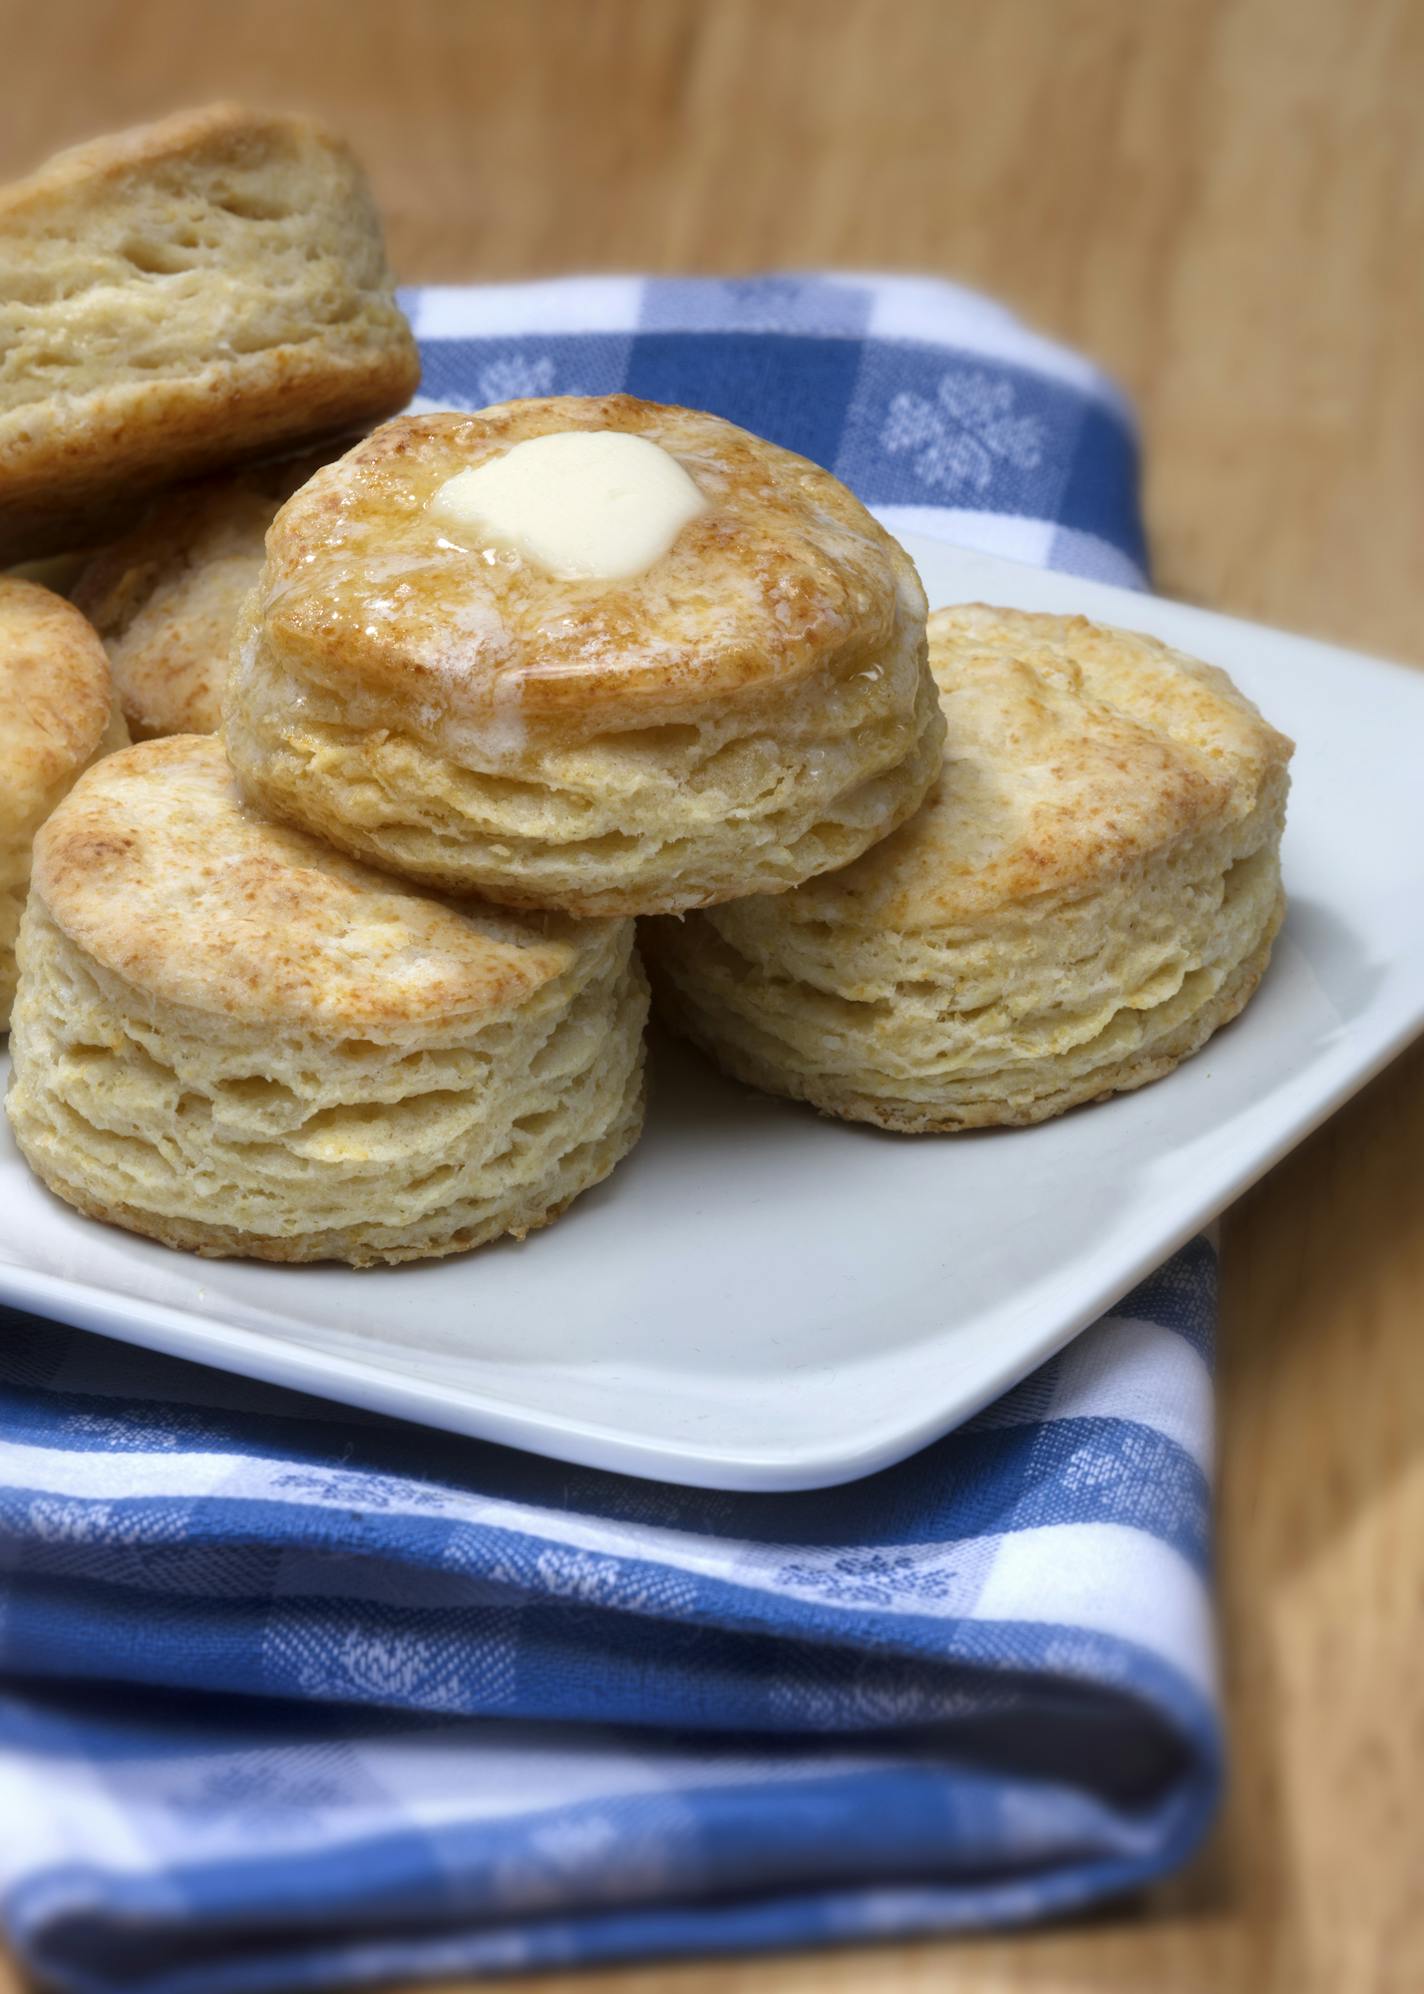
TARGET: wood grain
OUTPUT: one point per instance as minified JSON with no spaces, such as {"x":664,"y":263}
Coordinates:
{"x":1224,"y":201}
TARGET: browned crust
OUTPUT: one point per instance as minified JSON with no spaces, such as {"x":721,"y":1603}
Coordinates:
{"x":114,"y":154}
{"x":1075,"y":750}
{"x":153,"y":867}
{"x":783,"y":578}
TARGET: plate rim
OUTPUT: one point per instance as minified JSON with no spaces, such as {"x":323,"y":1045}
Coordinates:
{"x":165,"y":1327}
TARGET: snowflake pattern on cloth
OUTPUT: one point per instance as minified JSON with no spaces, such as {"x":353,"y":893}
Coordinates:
{"x":878,"y":1578}
{"x":960,"y":438}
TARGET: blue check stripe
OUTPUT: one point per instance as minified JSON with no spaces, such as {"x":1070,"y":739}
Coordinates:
{"x":832,"y":399}
{"x":984,"y":1482}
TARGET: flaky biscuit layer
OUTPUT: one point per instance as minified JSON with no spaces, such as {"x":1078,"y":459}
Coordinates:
{"x":177,"y":299}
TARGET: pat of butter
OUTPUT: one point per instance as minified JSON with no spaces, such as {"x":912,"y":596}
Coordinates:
{"x":582,"y":503}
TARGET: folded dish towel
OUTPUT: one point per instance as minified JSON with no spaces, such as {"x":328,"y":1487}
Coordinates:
{"x":298,"y":1697}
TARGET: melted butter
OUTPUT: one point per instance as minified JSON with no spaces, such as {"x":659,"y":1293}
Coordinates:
{"x":583,"y":504}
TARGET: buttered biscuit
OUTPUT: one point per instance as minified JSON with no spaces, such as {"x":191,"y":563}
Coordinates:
{"x":165,"y":596}
{"x":56,"y":715}
{"x":230,"y":1038}
{"x":181,"y":298}
{"x":1091,"y":890}
{"x":597,"y":655}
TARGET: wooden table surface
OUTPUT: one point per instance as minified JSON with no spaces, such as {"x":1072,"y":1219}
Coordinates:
{"x":1224,"y":201}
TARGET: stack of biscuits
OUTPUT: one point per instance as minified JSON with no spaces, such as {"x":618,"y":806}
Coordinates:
{"x":443,"y":733}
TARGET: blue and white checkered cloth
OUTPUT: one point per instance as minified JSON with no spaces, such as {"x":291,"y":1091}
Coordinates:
{"x":933,"y":404}
{"x":296,"y":1697}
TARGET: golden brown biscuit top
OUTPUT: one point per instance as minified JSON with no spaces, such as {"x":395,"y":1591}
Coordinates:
{"x":1073,"y":751}
{"x":228,"y":129}
{"x":365,"y":586}
{"x":156,"y":868}
{"x":55,"y":698}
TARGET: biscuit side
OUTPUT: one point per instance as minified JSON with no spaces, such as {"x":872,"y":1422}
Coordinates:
{"x":225,"y":1137}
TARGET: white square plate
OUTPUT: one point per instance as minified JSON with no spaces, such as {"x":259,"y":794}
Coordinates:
{"x":762,"y":1299}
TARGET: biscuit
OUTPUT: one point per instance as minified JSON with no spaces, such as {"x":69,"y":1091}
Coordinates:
{"x":232,"y":1039}
{"x":753,"y":709}
{"x":179,"y":299}
{"x":165,"y":596}
{"x":56,"y":716}
{"x":1091,"y":890}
